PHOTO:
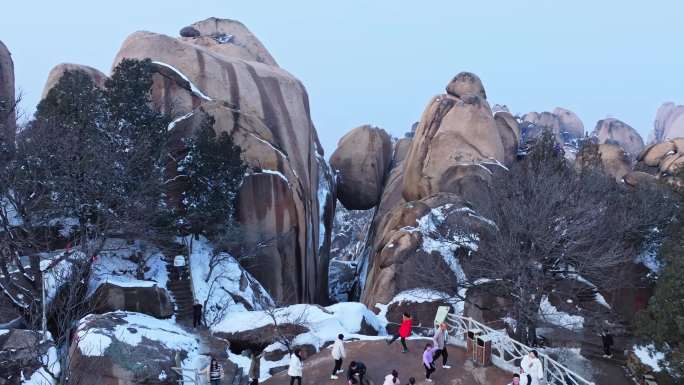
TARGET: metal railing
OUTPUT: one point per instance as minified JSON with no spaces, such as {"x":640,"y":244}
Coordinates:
{"x":505,"y":351}
{"x":188,"y":376}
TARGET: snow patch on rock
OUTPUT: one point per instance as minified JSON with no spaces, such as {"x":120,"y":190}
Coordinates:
{"x":193,"y":87}
{"x":649,"y":356}
{"x":135,"y":328}
{"x":552,"y":315}
{"x":218,"y":289}
{"x":115,"y":266}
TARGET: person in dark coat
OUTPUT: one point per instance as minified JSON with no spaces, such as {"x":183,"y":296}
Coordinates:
{"x":196,"y":314}
{"x":607,"y":340}
{"x":254,"y":369}
{"x":356,"y":369}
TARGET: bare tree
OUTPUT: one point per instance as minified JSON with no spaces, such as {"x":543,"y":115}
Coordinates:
{"x":555,"y":228}
{"x":288,"y":324}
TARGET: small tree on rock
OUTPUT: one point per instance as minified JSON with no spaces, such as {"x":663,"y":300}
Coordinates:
{"x":214,"y":171}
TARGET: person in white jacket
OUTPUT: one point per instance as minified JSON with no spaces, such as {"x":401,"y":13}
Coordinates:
{"x":338,"y":355}
{"x":531,"y":368}
{"x":296,"y":367}
{"x":392,"y":379}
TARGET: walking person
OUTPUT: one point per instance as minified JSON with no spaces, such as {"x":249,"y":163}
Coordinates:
{"x":179,"y":265}
{"x":607,"y":340}
{"x":214,"y":372}
{"x":440,"y":341}
{"x":356,"y":370}
{"x":531,"y":367}
{"x":404,"y":331}
{"x":412,"y":381}
{"x":296,"y":367}
{"x":428,"y":361}
{"x":392,"y":378}
{"x":254,"y":368}
{"x":338,"y":354}
{"x":179,"y":366}
{"x":196,"y":314}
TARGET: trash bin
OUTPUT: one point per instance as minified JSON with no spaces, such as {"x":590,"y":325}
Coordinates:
{"x":470,"y":337}
{"x":483,"y":351}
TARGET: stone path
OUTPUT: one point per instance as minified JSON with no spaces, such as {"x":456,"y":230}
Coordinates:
{"x":381,"y":359}
{"x":181,"y":290}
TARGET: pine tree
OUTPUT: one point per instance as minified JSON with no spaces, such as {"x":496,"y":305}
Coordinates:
{"x":662,"y":323}
{"x":215,"y":171}
{"x":68,"y":144}
{"x":139,"y":134}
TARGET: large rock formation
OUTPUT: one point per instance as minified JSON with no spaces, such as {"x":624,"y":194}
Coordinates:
{"x":423,"y":220}
{"x":361,"y":162}
{"x":563,"y":123}
{"x":510,"y":134}
{"x":226,"y":73}
{"x":668,"y":124}
{"x":7,"y":99}
{"x":56,"y":73}
{"x":614,"y":131}
{"x":534,"y":123}
{"x":455,"y":139}
{"x":275,"y":204}
{"x":569,"y":122}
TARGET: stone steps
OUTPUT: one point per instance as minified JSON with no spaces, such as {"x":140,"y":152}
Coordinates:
{"x":181,"y":290}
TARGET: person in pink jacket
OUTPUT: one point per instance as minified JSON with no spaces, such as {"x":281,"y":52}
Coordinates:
{"x":428,"y":358}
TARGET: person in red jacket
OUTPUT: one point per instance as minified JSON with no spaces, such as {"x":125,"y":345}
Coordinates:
{"x":404,"y":331}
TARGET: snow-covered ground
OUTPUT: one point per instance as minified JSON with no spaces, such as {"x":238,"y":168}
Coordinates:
{"x":216,"y":289}
{"x":324,"y":324}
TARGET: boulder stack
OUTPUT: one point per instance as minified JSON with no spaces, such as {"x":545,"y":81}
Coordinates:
{"x":563,"y":123}
{"x":456,"y":140}
{"x":660,"y":161}
{"x":457,"y":147}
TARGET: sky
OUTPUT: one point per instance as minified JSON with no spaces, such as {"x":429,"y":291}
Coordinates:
{"x":379,"y":62}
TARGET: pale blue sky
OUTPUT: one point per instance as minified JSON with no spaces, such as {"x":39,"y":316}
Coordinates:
{"x":379,"y":62}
